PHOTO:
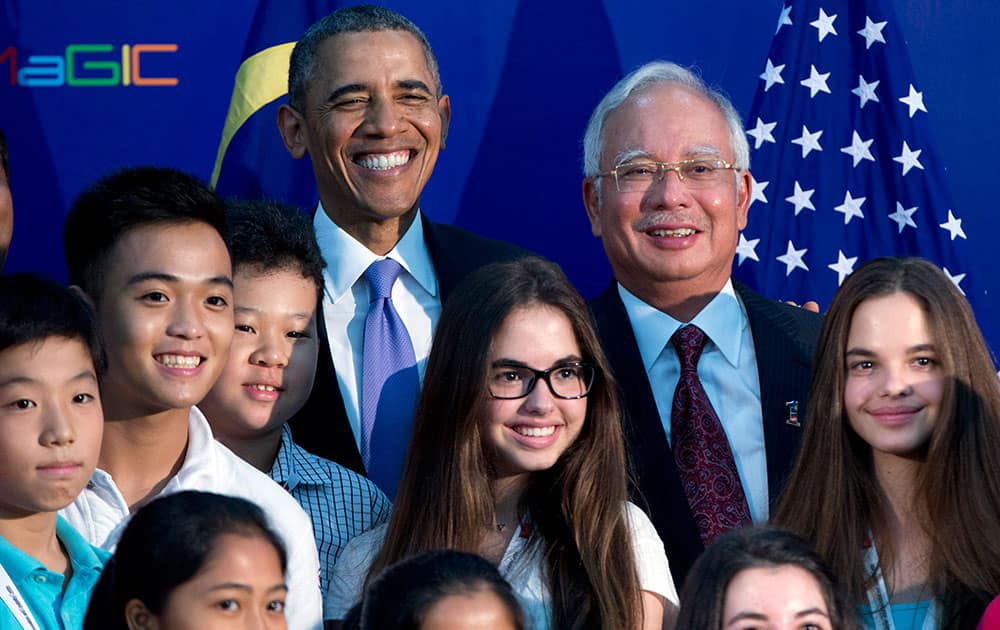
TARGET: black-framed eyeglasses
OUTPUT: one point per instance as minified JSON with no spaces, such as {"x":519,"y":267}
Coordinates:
{"x":696,"y":173}
{"x":509,"y":381}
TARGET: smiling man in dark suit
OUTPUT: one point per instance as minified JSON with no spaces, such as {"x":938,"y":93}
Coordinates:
{"x":366,"y":105}
{"x":714,"y":377}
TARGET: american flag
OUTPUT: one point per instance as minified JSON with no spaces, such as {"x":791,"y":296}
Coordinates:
{"x":842,"y":157}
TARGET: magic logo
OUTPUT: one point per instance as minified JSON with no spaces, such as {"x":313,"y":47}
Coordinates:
{"x":94,"y":65}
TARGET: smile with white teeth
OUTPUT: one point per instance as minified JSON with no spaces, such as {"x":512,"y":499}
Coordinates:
{"x":535,"y":431}
{"x":678,"y":233}
{"x":384,"y":161}
{"x":263,"y":388}
{"x":179,"y":361}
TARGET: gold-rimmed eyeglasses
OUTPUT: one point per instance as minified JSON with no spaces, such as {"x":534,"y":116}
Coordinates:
{"x":696,"y":173}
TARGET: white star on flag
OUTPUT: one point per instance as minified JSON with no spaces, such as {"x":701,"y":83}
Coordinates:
{"x":801,"y":199}
{"x":851,"y":207}
{"x":908,"y":158}
{"x":792,"y":259}
{"x":865,"y":91}
{"x":747,"y":249}
{"x":903,"y":217}
{"x":844,"y":266}
{"x":772,"y":75}
{"x":859,"y":149}
{"x":954,"y":226}
{"x":853,"y":157}
{"x":762,"y":133}
{"x":824,"y":24}
{"x":808,"y":141}
{"x":914,"y":100}
{"x":816,"y":82}
{"x":955,"y":279}
{"x":784,"y":18}
{"x":757,"y":191}
{"x":872,"y":32}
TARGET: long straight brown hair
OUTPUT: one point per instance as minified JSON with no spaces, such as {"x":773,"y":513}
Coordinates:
{"x":445,"y":499}
{"x":833,"y":497}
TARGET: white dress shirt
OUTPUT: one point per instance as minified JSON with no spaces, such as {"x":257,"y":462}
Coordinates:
{"x":728,"y":372}
{"x":100,"y":513}
{"x":346,"y":299}
{"x":521,"y":566}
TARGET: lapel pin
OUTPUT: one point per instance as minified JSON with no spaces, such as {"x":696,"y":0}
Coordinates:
{"x":793,"y":414}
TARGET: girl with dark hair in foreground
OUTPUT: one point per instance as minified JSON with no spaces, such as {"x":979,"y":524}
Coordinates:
{"x":517,"y":455}
{"x":438,"y":589}
{"x":193,"y":560}
{"x":762,"y":577}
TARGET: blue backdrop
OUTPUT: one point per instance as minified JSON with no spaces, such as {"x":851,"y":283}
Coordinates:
{"x":522,"y":76}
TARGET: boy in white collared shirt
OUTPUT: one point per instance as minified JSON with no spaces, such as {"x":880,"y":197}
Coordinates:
{"x":146,"y":245}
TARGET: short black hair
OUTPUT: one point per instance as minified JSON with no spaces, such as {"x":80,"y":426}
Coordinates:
{"x":402,"y":594}
{"x":166,"y":544}
{"x":357,"y":19}
{"x":33,"y":309}
{"x":125,"y":200}
{"x":266,"y":236}
{"x":4,"y":162}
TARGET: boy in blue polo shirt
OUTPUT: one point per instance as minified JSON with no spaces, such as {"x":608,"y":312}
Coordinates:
{"x":50,"y":437}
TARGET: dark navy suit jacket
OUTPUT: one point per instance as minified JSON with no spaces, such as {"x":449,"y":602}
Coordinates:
{"x":322,"y":426}
{"x":784,"y":338}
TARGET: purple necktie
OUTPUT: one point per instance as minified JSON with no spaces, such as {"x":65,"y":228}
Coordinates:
{"x":389,"y":381}
{"x":701,"y":449}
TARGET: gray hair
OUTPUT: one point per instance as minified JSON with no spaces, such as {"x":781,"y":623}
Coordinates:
{"x":357,"y":19}
{"x":653,"y":73}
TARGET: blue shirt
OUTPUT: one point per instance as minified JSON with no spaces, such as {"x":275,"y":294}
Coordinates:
{"x":42,"y":589}
{"x":728,"y":372}
{"x":345,"y":304}
{"x":908,"y":616}
{"x":340,"y":502}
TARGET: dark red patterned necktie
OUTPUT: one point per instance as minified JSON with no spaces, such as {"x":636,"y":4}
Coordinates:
{"x":701,"y":449}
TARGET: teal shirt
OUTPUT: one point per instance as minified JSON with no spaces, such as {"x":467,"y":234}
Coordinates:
{"x":904,"y":616}
{"x":42,"y":589}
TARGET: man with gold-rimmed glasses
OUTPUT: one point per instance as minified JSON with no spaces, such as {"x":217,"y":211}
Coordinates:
{"x":714,"y":376}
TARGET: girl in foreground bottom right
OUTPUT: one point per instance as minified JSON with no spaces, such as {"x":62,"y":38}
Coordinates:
{"x":897,"y":483}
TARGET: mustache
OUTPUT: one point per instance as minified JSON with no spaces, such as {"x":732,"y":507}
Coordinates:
{"x":660,"y":218}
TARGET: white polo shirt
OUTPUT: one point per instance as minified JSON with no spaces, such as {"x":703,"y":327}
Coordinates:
{"x":100,"y":513}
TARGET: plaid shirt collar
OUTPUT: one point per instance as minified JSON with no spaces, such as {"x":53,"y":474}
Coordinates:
{"x":293,"y":464}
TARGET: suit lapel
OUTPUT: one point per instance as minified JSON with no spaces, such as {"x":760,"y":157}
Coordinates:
{"x":448,"y":264}
{"x":783,"y":369}
{"x":649,"y":453}
{"x":322,"y":426}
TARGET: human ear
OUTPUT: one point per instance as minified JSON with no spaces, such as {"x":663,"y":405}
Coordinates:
{"x":592,"y":201}
{"x":138,"y":617}
{"x":292,"y":126}
{"x":444,"y":110}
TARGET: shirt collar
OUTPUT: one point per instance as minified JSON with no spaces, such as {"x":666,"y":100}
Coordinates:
{"x":723,"y":319}
{"x":347,"y":259}
{"x":283,"y":467}
{"x":81,"y":553}
{"x":199,"y":461}
{"x":19,"y":565}
{"x":292,"y":464}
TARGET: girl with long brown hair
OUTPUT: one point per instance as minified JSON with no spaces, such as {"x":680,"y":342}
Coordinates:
{"x":517,"y":455}
{"x":898,"y":478}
